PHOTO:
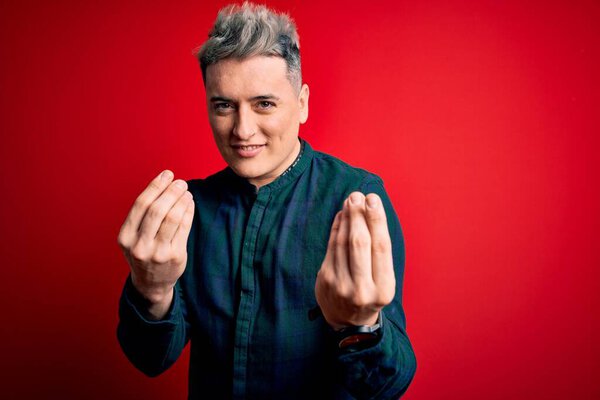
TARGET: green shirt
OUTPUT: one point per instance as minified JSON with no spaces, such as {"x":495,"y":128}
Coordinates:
{"x":244,"y":299}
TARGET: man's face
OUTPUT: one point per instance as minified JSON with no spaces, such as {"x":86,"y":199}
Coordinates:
{"x":255,"y":114}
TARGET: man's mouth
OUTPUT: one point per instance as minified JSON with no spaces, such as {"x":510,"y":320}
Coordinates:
{"x":250,"y":147}
{"x":248,"y":151}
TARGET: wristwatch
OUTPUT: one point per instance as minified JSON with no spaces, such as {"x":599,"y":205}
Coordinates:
{"x":355,"y":338}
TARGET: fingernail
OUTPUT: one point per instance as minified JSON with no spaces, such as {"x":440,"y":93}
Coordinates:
{"x":355,"y":198}
{"x":372,"y":202}
{"x":181,"y":184}
{"x":165,"y":175}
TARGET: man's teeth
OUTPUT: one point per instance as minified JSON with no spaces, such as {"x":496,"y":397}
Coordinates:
{"x":249,"y":147}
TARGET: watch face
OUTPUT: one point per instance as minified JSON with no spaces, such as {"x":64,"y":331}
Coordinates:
{"x":357,"y":338}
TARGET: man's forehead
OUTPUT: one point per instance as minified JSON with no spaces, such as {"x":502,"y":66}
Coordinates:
{"x":252,"y":76}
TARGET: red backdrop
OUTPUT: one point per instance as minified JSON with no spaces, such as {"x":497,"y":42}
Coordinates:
{"x":481,"y":117}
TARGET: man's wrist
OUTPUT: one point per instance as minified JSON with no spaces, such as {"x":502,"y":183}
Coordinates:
{"x":153,"y":304}
{"x":355,"y":338}
{"x":152,"y":295}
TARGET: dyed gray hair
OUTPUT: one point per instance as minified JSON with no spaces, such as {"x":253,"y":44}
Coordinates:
{"x":252,"y":30}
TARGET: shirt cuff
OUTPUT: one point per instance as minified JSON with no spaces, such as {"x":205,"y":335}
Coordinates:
{"x":137,"y":304}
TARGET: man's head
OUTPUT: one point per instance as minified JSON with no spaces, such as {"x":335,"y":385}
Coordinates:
{"x":252,"y":30}
{"x":254,"y":92}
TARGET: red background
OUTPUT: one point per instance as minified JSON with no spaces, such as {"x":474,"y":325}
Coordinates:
{"x":481,"y":117}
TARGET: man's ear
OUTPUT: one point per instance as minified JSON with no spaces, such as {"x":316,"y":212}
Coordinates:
{"x":303,"y":99}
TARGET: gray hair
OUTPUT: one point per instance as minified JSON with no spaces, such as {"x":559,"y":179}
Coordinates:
{"x":252,"y":30}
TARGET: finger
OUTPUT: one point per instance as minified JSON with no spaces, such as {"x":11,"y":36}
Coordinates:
{"x":381,"y":244}
{"x":173,"y":219}
{"x":330,"y":255}
{"x":180,"y":238}
{"x":158,"y":210}
{"x":359,"y":239}
{"x":342,"y":270}
{"x":132,"y":223}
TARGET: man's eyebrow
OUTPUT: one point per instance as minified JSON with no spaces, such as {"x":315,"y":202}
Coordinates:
{"x":220,"y":98}
{"x":260,"y":97}
{"x":266,"y":97}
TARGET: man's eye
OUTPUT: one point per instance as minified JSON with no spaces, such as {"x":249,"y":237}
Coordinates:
{"x":222,"y":106}
{"x":265,"y":104}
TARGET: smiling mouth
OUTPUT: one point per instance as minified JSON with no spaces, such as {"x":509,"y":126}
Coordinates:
{"x":248,"y":148}
{"x":248,"y":151}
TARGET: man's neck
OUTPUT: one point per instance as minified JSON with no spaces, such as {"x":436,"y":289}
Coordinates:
{"x":291,"y":161}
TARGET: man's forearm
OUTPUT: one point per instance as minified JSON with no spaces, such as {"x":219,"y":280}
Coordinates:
{"x":151,"y":345}
{"x":383,"y":371}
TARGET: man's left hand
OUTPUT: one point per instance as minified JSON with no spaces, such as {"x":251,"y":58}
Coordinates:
{"x":356,"y":279}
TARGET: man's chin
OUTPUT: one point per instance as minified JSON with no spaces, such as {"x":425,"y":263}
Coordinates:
{"x":245,"y":172}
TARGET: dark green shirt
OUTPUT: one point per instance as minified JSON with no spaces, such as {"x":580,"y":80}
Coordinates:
{"x":244,"y":299}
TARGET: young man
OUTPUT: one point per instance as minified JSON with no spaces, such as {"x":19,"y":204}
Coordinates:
{"x":284,"y":270}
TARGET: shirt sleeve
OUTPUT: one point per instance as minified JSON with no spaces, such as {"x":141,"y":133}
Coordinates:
{"x":152,"y":346}
{"x":384,"y":370}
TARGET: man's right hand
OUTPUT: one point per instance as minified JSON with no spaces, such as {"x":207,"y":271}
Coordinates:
{"x":154,"y":240}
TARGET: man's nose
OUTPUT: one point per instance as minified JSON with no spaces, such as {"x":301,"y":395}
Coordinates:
{"x":245,"y":125}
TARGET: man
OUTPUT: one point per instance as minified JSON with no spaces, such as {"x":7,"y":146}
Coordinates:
{"x":284,"y":276}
